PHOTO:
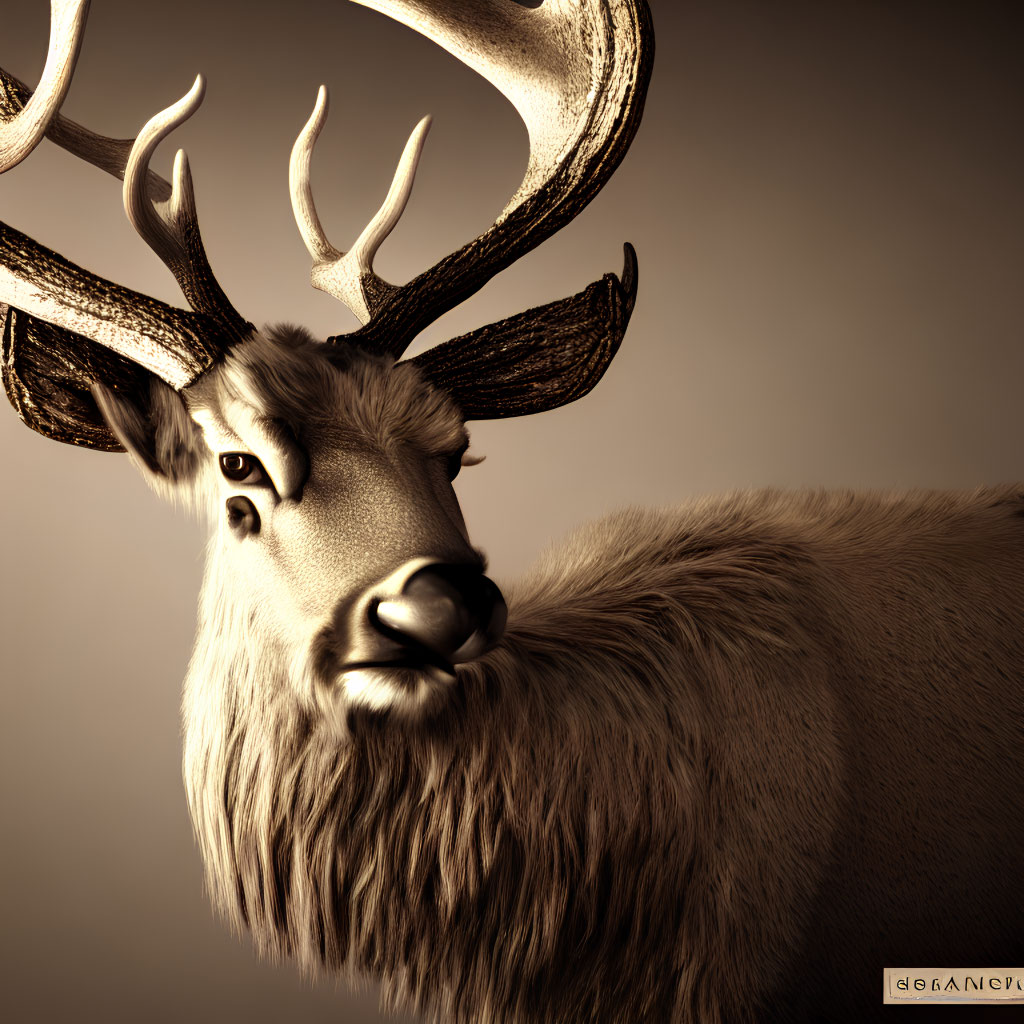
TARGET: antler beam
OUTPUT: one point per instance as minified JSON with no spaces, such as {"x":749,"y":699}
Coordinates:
{"x":172,"y":343}
{"x":534,"y":57}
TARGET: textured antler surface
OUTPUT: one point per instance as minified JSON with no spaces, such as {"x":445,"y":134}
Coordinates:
{"x":172,"y":343}
{"x":537,"y":360}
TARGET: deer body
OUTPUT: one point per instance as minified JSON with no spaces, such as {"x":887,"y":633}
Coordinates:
{"x":713,"y":765}
{"x":685,"y":743}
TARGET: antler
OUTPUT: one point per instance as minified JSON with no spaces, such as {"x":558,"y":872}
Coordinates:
{"x":174,"y":344}
{"x":576,"y":71}
{"x":172,"y":230}
{"x":25,"y":130}
{"x":349,"y":276}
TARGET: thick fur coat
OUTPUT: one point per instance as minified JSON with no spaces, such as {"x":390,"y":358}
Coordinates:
{"x":728,"y":763}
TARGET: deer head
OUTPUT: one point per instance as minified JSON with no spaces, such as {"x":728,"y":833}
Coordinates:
{"x":327,"y":466}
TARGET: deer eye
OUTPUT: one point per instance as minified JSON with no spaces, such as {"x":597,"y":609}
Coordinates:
{"x":241,"y":468}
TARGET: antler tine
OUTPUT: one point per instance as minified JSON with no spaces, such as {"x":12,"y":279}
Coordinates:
{"x":172,"y":230}
{"x":160,"y":230}
{"x":386,"y":218}
{"x":107,"y":154}
{"x":349,"y":276}
{"x":299,"y":187}
{"x":27,"y":127}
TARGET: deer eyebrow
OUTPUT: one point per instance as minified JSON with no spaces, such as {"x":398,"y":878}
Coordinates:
{"x":284,"y":459}
{"x":292,"y":462}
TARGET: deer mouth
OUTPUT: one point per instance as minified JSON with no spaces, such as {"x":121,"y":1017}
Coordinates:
{"x":427,"y":663}
{"x":408,"y":685}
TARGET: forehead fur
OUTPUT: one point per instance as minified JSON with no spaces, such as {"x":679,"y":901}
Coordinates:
{"x":308,"y":385}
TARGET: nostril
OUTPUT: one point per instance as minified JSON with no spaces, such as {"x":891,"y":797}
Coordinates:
{"x":453,"y":612}
{"x":493,"y":615}
{"x":432,"y":615}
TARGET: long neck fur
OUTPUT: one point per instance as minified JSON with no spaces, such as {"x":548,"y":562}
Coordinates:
{"x":535,"y":852}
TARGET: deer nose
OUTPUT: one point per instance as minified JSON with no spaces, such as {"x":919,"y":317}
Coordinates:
{"x":450,"y":612}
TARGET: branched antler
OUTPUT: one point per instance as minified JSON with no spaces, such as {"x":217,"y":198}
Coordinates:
{"x":576,"y":71}
{"x":172,"y":343}
{"x":172,"y":229}
{"x":349,"y":276}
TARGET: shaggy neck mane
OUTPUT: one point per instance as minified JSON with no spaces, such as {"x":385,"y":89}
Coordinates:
{"x":514,"y":828}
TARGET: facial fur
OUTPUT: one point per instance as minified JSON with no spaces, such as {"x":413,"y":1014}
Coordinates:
{"x":353,"y":457}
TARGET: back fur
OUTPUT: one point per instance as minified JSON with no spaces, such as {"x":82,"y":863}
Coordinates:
{"x":728,"y":762}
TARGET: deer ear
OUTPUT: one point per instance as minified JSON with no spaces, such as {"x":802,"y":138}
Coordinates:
{"x":50,"y":376}
{"x":155,"y":428}
{"x":537,"y":360}
{"x":48,"y":372}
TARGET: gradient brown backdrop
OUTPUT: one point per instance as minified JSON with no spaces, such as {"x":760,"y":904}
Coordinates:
{"x":825,"y":199}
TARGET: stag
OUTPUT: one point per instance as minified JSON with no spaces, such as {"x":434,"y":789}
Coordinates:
{"x":722,"y":763}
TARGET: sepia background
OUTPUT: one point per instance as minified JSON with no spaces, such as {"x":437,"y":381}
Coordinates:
{"x":826,"y":203}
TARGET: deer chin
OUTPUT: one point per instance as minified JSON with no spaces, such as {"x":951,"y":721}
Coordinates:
{"x":404,"y":686}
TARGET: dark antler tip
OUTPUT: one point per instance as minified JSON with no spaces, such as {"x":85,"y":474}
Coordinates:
{"x":630,"y":272}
